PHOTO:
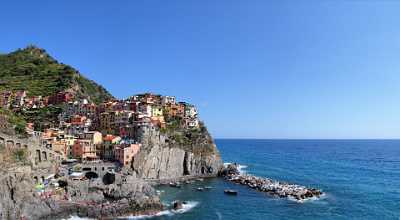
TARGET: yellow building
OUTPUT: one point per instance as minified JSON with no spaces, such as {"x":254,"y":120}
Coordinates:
{"x":61,"y":148}
{"x":156,"y":111}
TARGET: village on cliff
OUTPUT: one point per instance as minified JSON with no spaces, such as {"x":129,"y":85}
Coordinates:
{"x":103,"y":133}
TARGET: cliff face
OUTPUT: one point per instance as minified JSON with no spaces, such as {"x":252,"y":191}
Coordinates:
{"x":127,"y":195}
{"x":17,"y":196}
{"x":163,"y":157}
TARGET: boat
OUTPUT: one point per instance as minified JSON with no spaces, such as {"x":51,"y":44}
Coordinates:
{"x":230,"y":192}
{"x":176,"y":185}
{"x":200,"y":189}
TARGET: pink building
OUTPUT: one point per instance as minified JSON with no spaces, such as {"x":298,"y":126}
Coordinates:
{"x":124,"y":153}
{"x":85,"y":150}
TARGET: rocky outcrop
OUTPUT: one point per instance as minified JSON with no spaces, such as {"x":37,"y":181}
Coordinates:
{"x":273,"y":187}
{"x":17,"y":197}
{"x":126,"y":196}
{"x":162,"y":157}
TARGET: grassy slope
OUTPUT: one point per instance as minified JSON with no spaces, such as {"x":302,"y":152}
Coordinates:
{"x":33,"y":70}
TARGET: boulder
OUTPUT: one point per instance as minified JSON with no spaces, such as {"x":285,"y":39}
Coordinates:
{"x":177,"y":205}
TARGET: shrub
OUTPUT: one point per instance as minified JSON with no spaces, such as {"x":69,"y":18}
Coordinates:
{"x":19,"y":155}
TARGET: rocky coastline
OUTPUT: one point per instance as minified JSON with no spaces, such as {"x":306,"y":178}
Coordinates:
{"x":128,"y":195}
{"x":161,"y":161}
{"x":273,"y":187}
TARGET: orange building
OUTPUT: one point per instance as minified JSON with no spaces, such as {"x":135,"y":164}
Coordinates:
{"x":124,"y":153}
{"x":61,"y":148}
{"x":84,"y":149}
{"x":175,"y":110}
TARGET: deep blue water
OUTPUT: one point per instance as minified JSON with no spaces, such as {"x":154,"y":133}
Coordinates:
{"x":361,"y":179}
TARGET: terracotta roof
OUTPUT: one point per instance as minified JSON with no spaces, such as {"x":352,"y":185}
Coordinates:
{"x":109,"y":137}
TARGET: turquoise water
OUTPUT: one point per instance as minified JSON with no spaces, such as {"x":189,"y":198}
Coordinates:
{"x":361,"y":179}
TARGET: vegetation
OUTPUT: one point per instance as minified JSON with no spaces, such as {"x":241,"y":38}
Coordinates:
{"x":10,"y":156}
{"x":20,"y":155}
{"x":15,"y":121}
{"x":42,"y":117}
{"x":173,"y":124}
{"x":33,"y":70}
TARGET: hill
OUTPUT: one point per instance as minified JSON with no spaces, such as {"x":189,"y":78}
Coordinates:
{"x":32,"y":69}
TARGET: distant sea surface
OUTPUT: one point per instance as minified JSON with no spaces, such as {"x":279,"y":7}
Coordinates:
{"x":361,"y":179}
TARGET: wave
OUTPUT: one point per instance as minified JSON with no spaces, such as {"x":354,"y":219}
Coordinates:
{"x":185,"y":208}
{"x":77,"y":218}
{"x":241,"y":168}
{"x":311,"y":199}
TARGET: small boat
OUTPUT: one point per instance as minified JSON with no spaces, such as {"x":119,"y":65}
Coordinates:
{"x":176,"y":185}
{"x":208,"y":187}
{"x":230,"y":192}
{"x":200,"y":189}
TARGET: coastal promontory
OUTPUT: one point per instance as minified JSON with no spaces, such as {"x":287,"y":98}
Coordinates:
{"x":68,"y":147}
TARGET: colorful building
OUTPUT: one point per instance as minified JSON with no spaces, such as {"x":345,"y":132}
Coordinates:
{"x":59,"y":98}
{"x":61,"y":148}
{"x":156,"y":111}
{"x":95,"y":136}
{"x":107,"y":148}
{"x":85,"y":150}
{"x":168,"y":100}
{"x":175,"y":110}
{"x":125,"y":152}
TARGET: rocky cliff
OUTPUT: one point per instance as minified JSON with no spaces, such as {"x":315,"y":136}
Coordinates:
{"x":126,"y":196}
{"x":166,"y":156}
{"x":17,"y":196}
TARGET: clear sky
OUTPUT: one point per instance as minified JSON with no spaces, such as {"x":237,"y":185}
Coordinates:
{"x":255,"y":69}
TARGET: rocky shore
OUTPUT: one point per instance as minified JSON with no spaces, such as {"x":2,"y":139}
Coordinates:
{"x":26,"y":195}
{"x":273,"y":187}
{"x":128,"y":195}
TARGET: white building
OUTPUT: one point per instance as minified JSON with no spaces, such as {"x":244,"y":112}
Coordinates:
{"x":190,"y":111}
{"x":145,"y":110}
{"x":168,"y":100}
{"x":192,"y":123}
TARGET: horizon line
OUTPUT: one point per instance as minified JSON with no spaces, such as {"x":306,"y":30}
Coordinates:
{"x":225,"y":138}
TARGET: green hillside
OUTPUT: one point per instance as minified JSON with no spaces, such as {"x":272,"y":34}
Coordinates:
{"x":35,"y":71}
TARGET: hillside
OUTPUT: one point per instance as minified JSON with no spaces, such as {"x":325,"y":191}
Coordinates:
{"x":33,"y":70}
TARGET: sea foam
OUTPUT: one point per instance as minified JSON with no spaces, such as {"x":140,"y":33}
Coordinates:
{"x":241,"y":168}
{"x":185,"y":208}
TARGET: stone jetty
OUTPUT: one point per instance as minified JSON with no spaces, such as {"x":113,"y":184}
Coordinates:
{"x":273,"y":187}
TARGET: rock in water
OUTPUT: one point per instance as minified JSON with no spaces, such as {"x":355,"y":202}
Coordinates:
{"x":281,"y":189}
{"x":177,"y":205}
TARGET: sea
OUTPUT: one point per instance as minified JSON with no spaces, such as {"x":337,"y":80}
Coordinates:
{"x":360,"y":180}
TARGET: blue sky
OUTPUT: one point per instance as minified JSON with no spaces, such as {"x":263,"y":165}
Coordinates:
{"x":255,"y":69}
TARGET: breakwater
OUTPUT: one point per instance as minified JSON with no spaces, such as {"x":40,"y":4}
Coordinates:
{"x":273,"y":187}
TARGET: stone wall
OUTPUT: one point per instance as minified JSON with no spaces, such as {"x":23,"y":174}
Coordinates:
{"x":37,"y":153}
